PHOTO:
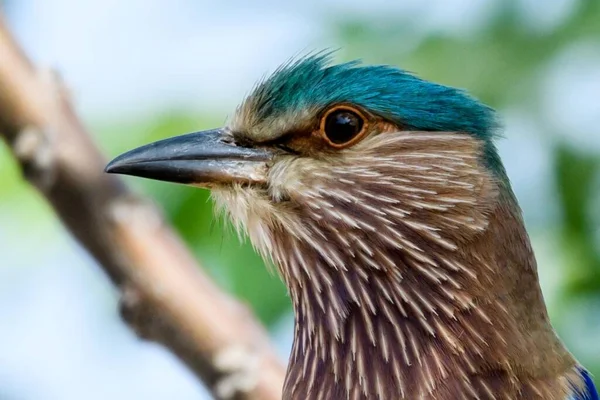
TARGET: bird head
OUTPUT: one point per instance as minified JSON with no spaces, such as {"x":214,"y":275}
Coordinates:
{"x":382,"y":201}
{"x":329,"y":148}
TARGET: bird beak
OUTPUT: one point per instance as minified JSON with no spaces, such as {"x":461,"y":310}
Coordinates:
{"x":203,"y":159}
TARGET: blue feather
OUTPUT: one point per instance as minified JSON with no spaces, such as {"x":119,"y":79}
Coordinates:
{"x":589,"y":392}
{"x":401,"y":97}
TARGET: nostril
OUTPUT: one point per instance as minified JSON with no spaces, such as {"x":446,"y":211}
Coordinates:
{"x":228,"y":140}
{"x":240,"y":142}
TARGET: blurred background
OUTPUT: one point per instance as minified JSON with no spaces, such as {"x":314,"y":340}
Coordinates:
{"x":142,"y":70}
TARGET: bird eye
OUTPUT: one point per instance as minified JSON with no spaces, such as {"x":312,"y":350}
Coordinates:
{"x":342,"y":126}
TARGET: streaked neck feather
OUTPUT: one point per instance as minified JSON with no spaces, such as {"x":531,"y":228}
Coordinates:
{"x":411,"y":275}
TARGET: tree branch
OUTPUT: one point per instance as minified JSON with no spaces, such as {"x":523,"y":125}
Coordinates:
{"x":165,"y":296}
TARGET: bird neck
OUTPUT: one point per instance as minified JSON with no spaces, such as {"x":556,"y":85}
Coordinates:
{"x":466,"y":320}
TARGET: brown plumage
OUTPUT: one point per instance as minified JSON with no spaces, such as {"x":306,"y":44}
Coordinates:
{"x":404,"y":250}
{"x":410,"y":272}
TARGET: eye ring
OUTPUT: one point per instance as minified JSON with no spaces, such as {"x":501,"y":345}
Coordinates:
{"x":342,"y":126}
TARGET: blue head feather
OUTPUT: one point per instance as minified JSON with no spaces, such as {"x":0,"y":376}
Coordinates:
{"x":396,"y":95}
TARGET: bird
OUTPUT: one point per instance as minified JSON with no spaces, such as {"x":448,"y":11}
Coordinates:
{"x":381,"y":200}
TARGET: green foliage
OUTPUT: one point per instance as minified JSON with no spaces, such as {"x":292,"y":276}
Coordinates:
{"x":576,"y":176}
{"x":499,"y":64}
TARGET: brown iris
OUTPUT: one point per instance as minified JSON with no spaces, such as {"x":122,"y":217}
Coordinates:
{"x":342,"y":126}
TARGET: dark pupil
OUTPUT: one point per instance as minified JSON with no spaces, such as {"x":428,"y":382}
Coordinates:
{"x":342,"y":126}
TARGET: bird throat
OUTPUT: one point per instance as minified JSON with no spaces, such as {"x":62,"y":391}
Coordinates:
{"x":410,"y":272}
{"x":464,"y":331}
